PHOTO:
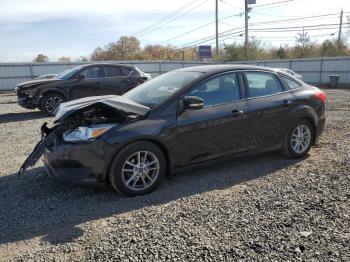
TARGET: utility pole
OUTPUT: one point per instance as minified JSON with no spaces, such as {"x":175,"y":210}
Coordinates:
{"x":340,"y":27}
{"x":217,"y":26}
{"x":246,"y":17}
{"x":122,"y":48}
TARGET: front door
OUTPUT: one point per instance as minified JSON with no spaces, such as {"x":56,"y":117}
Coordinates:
{"x":91,"y":85}
{"x":219,"y":127}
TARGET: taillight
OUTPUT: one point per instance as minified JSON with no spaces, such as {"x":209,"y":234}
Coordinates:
{"x":321,"y":96}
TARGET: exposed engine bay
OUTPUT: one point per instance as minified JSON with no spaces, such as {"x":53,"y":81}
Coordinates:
{"x":89,"y":115}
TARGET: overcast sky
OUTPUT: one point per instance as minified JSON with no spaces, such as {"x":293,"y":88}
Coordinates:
{"x":75,"y":27}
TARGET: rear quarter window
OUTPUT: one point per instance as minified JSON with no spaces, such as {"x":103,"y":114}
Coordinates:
{"x":290,"y":83}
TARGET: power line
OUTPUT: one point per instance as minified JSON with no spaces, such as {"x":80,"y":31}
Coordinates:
{"x":233,"y":34}
{"x":290,"y":37}
{"x":252,"y":24}
{"x":180,"y":9}
{"x":195,"y":29}
{"x":309,"y":27}
{"x":274,"y":3}
{"x":172,"y":19}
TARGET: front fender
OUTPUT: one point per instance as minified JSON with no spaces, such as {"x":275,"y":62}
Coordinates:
{"x":161,"y":132}
{"x":42,"y":91}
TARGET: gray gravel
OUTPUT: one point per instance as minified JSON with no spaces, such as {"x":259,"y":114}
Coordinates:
{"x":260,"y":208}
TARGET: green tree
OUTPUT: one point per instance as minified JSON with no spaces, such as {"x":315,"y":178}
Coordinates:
{"x":281,"y":53}
{"x":236,"y":51}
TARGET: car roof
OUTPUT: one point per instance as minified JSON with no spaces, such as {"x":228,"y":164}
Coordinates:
{"x":108,"y":64}
{"x":212,"y":69}
{"x":284,"y":69}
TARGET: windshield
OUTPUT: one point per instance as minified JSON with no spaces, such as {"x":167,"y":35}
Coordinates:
{"x":157,"y":90}
{"x":67,"y":74}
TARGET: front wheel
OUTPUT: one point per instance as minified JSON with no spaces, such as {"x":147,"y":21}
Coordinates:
{"x":137,"y":169}
{"x":50,"y":102}
{"x":298,"y":139}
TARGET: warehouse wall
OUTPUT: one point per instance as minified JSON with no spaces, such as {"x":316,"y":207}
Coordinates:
{"x":313,"y":70}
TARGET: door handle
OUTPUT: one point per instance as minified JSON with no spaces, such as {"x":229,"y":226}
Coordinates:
{"x":237,"y":112}
{"x":287,"y":102}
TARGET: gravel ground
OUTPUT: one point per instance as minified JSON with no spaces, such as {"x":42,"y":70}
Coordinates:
{"x":260,"y":208}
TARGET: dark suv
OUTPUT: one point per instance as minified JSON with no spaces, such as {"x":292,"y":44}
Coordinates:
{"x":78,"y":82}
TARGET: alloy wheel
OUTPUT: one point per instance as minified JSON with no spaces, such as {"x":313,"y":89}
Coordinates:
{"x":52,"y":103}
{"x":140,"y":170}
{"x":301,"y":138}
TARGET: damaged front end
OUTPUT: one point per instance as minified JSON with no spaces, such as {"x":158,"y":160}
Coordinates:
{"x":82,"y":121}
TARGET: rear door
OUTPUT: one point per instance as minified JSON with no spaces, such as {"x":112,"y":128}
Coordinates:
{"x":118,"y":80}
{"x":91,"y":85}
{"x":269,"y":104}
{"x":218,"y":128}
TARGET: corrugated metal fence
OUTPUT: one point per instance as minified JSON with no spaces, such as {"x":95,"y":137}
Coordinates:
{"x":315,"y":70}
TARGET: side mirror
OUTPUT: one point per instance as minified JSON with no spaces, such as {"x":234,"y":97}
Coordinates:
{"x":193,"y":103}
{"x":80,"y":77}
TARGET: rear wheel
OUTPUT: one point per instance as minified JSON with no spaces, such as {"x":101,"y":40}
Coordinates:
{"x":50,"y":102}
{"x":298,"y":139}
{"x":137,"y":169}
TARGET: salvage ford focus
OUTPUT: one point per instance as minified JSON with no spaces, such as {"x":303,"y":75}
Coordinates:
{"x":182,"y":118}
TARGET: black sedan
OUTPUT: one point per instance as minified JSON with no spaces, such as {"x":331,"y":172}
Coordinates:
{"x":183,"y":118}
{"x":78,"y":82}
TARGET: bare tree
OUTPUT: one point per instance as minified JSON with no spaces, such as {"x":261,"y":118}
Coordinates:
{"x":65,"y":59}
{"x":41,"y":58}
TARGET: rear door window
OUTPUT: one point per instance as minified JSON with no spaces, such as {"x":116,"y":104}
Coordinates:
{"x":113,"y":71}
{"x":262,"y":84}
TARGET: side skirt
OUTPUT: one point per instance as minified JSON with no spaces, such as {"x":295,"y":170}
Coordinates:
{"x":225,"y":159}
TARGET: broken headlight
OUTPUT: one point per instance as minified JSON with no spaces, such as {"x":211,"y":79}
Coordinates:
{"x":84,"y":133}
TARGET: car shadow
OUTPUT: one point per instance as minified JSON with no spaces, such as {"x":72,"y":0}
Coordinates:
{"x":8,"y":102}
{"x":22,"y":116}
{"x":35,"y":205}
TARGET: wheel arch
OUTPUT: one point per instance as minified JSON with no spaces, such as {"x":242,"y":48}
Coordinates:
{"x":307,"y":113}
{"x":157,"y":142}
{"x":52,"y":91}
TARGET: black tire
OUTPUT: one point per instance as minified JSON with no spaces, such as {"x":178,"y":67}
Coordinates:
{"x":45,"y":103}
{"x":288,"y":148}
{"x":119,"y":180}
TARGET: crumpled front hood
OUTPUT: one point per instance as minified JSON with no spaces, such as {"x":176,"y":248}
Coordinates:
{"x":34,"y":83}
{"x":114,"y":101}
